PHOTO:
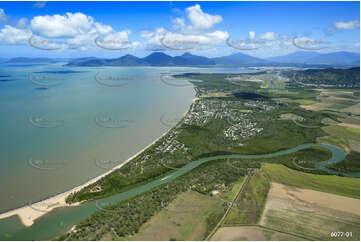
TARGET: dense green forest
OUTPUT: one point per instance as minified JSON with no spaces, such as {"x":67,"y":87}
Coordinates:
{"x":349,"y":78}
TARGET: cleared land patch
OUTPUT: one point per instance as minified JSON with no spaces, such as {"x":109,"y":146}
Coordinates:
{"x":249,"y":204}
{"x":334,"y":100}
{"x":310,"y":213}
{"x":343,"y":186}
{"x":190,"y":224}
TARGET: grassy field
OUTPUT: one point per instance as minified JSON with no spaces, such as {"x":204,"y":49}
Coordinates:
{"x":249,"y":204}
{"x":344,"y":186}
{"x":354,"y":130}
{"x":344,"y":137}
{"x":184,"y":219}
{"x":311,"y":214}
{"x":230,"y":195}
{"x":305,"y":101}
{"x":333,"y":99}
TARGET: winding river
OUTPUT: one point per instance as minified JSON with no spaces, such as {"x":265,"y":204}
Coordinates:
{"x":60,"y":220}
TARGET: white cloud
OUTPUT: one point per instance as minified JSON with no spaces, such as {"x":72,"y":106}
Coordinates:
{"x":269,"y":36}
{"x":103,"y":29}
{"x":201,"y":20}
{"x":251,"y":35}
{"x":68,"y":25}
{"x":11,"y":35}
{"x":70,"y":31}
{"x":3,"y":16}
{"x":197,"y":34}
{"x":355,"y":24}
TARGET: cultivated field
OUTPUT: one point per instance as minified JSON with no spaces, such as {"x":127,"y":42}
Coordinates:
{"x":344,"y":186}
{"x":311,"y":214}
{"x":332,"y":99}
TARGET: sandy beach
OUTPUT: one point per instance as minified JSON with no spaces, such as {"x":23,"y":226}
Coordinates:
{"x":28,"y":214}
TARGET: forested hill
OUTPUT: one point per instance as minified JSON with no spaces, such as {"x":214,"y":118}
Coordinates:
{"x":330,"y":76}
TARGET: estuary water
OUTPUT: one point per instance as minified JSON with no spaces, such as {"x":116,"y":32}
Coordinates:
{"x":61,"y":126}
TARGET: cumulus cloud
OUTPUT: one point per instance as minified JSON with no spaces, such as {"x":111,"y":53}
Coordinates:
{"x":194,"y":32}
{"x":72,"y":31}
{"x":55,"y":26}
{"x":355,"y":24}
{"x":201,"y":20}
{"x":12,"y":35}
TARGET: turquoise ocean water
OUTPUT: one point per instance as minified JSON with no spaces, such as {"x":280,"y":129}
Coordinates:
{"x":56,"y":137}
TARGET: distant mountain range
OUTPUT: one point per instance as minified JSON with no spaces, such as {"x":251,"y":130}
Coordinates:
{"x":300,"y":58}
{"x":315,"y":58}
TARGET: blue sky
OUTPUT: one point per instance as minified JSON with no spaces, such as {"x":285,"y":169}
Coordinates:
{"x":112,"y":29}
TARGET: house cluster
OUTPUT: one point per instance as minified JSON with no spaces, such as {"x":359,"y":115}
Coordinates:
{"x":170,"y":143}
{"x":244,"y":128}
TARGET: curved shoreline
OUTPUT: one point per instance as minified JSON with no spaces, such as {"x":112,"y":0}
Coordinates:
{"x":86,"y":209}
{"x":29,"y":213}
